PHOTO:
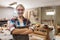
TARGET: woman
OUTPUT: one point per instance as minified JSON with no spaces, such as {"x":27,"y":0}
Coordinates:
{"x":18,"y":26}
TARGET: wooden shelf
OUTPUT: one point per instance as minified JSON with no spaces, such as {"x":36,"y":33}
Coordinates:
{"x":43,"y":32}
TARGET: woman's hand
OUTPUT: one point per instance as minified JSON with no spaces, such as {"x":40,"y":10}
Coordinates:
{"x":19,"y":31}
{"x":28,"y":31}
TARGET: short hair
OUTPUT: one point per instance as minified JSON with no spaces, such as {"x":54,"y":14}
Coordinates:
{"x":20,"y":5}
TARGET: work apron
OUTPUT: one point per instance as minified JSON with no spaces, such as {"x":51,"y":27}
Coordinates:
{"x":20,"y":37}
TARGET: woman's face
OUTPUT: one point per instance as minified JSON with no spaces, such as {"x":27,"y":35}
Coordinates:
{"x":20,"y":11}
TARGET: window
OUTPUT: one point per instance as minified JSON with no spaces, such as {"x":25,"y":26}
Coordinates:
{"x":50,"y":13}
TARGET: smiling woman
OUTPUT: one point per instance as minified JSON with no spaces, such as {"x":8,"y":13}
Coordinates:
{"x":19,"y":26}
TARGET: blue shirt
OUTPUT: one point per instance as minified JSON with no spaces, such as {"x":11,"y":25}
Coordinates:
{"x":16,"y":22}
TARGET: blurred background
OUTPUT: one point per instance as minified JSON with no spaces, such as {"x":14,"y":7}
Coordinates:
{"x":39,"y":12}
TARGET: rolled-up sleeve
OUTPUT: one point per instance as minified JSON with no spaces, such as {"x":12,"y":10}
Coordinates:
{"x":32,"y":27}
{"x":11,"y":25}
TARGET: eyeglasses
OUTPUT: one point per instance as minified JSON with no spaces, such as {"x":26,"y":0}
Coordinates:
{"x":20,"y":9}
